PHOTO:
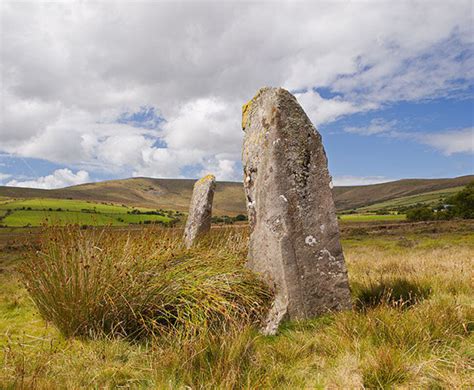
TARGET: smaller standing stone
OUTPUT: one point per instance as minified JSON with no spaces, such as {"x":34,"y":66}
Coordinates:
{"x":200,"y":210}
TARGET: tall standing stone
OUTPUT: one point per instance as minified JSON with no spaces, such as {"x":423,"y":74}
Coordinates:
{"x":200,"y":209}
{"x":294,"y":239}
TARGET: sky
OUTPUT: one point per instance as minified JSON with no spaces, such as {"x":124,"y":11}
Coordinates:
{"x":102,"y":90}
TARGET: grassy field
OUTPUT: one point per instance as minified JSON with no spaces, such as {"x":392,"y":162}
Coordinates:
{"x":36,"y":211}
{"x":411,"y":327}
{"x":66,"y":204}
{"x":428,"y":198}
{"x":371,"y":217}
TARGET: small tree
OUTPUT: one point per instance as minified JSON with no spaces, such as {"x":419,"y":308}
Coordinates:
{"x":463,"y":202}
{"x":422,"y":213}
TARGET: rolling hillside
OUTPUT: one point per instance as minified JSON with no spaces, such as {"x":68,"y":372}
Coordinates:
{"x":229,"y":198}
{"x":425,"y":198}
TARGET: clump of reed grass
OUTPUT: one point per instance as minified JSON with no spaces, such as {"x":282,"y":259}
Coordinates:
{"x":92,"y":283}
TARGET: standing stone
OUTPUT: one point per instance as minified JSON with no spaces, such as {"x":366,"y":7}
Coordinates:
{"x":294,"y":235}
{"x":200,"y":210}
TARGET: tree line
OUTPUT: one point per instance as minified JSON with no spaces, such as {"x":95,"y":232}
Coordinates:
{"x":458,"y":206}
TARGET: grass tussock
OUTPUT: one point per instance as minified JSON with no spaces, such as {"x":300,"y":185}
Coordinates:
{"x":396,"y":292}
{"x":92,"y":283}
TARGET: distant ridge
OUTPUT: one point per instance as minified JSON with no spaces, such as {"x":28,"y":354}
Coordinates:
{"x":229,"y":197}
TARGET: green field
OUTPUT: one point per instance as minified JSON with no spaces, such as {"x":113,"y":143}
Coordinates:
{"x":35,"y":212}
{"x":371,"y":217}
{"x":428,"y":198}
{"x":64,"y":204}
{"x":36,"y":218}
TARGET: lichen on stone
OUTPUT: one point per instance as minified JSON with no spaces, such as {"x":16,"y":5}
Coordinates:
{"x":245,"y":112}
{"x":248,"y":106}
{"x":206,"y":178}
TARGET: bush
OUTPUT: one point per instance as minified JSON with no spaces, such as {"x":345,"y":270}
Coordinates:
{"x":100,"y":283}
{"x":460,"y":205}
{"x":422,"y":213}
{"x":224,"y":219}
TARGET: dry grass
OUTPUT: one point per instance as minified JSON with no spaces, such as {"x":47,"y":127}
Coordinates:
{"x":412,"y":328}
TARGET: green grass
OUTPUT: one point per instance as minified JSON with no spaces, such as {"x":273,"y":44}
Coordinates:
{"x":65,"y":204}
{"x":428,"y":198}
{"x":371,"y":217}
{"x":37,"y":218}
{"x":137,"y":218}
{"x":411,"y":327}
{"x":35,"y":212}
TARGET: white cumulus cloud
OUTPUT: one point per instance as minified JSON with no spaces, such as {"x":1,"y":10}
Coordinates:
{"x":451,"y":142}
{"x":71,"y":69}
{"x":58,"y":179}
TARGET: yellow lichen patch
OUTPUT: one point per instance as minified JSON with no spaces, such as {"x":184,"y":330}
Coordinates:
{"x":245,"y":112}
{"x":247,"y":107}
{"x":206,"y":178}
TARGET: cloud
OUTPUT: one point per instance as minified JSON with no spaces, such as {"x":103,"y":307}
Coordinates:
{"x":450,"y":142}
{"x":322,"y":110}
{"x":207,"y":124}
{"x":224,"y":169}
{"x":4,"y":176}
{"x":58,"y":179}
{"x":447,"y":142}
{"x":377,"y":126}
{"x":359,"y":180}
{"x":74,"y":74}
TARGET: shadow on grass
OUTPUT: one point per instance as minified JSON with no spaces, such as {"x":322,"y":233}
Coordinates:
{"x":399,"y":293}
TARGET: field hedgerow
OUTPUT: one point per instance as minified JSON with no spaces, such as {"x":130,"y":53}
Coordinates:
{"x":92,"y":283}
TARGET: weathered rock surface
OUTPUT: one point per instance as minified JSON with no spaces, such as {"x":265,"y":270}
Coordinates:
{"x":200,"y":209}
{"x":294,"y":240}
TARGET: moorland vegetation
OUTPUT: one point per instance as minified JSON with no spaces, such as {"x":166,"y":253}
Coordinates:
{"x":107,"y":308}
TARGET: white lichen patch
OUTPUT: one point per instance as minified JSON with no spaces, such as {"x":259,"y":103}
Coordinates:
{"x":310,"y":240}
{"x":325,"y":252}
{"x":284,"y":198}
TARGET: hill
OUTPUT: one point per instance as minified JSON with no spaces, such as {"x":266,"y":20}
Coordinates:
{"x":426,"y":198}
{"x":229,"y":198}
{"x":361,"y":196}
